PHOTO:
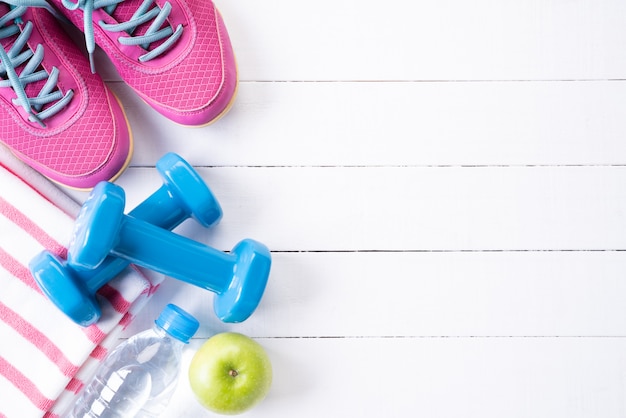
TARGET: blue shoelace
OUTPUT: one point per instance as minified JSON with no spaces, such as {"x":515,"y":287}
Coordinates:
{"x":20,"y":54}
{"x":146,"y":12}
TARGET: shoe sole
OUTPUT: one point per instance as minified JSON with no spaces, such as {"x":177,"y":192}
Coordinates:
{"x":219,"y":116}
{"x":131,"y":144}
{"x":222,"y":113}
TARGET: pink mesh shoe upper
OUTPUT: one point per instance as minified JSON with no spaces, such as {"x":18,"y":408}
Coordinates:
{"x":194,"y":81}
{"x":89,"y":140}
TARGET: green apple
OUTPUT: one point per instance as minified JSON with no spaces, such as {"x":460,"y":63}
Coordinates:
{"x":230,"y":373}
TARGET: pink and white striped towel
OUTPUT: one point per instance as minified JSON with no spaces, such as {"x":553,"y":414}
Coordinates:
{"x":45,"y":358}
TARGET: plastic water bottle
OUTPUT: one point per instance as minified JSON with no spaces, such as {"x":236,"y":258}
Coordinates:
{"x":138,"y":378}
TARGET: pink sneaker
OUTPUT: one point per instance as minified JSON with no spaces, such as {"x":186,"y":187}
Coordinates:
{"x":54,"y":114}
{"x":175,"y":54}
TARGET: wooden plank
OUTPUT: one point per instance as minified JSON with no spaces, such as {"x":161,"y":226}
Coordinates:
{"x":381,"y":123}
{"x":410,"y":208}
{"x":437,"y":377}
{"x":422,"y":40}
{"x":548,"y":294}
{"x":442,"y":186}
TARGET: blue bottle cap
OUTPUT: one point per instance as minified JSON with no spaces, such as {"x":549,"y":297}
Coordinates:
{"x":178,"y":323}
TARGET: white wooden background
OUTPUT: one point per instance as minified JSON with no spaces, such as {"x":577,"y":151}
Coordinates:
{"x":443,"y":188}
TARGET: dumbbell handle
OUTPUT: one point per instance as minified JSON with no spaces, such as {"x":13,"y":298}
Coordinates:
{"x":149,"y":246}
{"x":238,"y":278}
{"x":182,"y":195}
{"x":165,"y":208}
{"x":169,"y":216}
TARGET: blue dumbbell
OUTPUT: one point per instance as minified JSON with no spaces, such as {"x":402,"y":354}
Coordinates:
{"x":238,"y":279}
{"x":183,"y":195}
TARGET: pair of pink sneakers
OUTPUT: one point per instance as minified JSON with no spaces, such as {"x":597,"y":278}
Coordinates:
{"x":58,"y":116}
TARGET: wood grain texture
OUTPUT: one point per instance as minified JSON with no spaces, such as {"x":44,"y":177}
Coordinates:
{"x":397,"y":123}
{"x":410,"y":208}
{"x":442,"y":187}
{"x":438,"y":377}
{"x":281,"y":40}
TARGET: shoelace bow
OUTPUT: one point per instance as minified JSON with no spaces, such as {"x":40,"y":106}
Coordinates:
{"x":19,"y":54}
{"x":146,"y":12}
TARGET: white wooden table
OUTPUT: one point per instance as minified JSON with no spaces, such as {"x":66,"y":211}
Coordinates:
{"x":443,"y":188}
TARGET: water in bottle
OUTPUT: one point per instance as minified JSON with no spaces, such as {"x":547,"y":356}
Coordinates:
{"x":139,"y":376}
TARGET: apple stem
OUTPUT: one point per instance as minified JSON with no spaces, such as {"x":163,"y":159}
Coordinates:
{"x":233,"y":373}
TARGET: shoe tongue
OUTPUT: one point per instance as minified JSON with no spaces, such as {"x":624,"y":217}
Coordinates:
{"x":125,"y":11}
{"x":4,"y":8}
{"x":32,"y":89}
{"x":6,"y":42}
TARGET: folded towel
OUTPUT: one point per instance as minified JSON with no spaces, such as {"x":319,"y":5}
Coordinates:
{"x":45,"y":358}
